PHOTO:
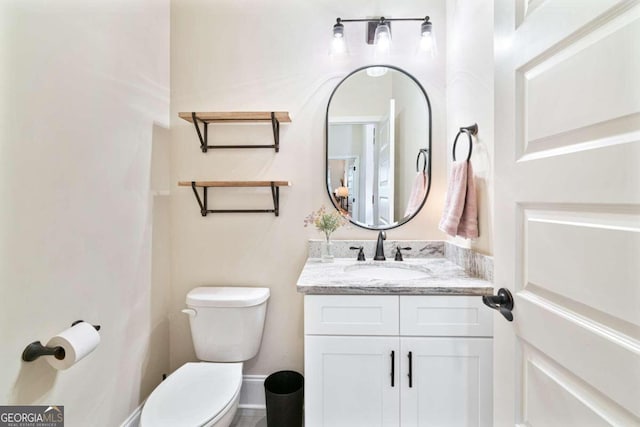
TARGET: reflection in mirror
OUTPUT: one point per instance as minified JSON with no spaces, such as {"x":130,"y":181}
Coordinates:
{"x":377,"y":125}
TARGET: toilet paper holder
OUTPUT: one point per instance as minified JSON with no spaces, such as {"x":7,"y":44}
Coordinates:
{"x":36,"y":349}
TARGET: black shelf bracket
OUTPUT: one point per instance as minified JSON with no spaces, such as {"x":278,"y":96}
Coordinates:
{"x":203,"y":141}
{"x":204,"y":202}
{"x":275,"y":125}
{"x":203,"y":135}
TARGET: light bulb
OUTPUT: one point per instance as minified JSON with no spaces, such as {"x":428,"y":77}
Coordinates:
{"x":426,"y":42}
{"x":382,"y":38}
{"x":338,"y":46}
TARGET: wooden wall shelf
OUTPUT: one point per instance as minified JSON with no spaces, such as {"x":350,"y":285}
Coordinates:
{"x":205,"y":185}
{"x":274,"y":117}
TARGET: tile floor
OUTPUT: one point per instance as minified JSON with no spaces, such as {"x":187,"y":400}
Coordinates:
{"x":250,"y":418}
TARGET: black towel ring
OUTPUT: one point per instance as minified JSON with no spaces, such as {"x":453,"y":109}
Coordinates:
{"x":469,"y":130}
{"x":422,"y":153}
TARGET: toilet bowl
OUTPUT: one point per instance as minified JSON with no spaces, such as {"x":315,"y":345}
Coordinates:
{"x":198,"y":394}
{"x":226,"y":327}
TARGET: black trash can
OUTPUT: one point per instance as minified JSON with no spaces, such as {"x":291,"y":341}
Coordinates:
{"x":284,"y":393}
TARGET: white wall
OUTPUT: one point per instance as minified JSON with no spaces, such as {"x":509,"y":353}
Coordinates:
{"x":362,"y":95}
{"x":255,"y":55}
{"x":348,"y":141}
{"x":470,"y":100}
{"x":83,"y":85}
{"x":412,"y":130}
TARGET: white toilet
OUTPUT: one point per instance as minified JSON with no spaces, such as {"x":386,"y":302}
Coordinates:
{"x":226,"y":328}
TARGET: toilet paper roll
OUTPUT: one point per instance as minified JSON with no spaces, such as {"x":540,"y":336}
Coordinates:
{"x":77,"y":341}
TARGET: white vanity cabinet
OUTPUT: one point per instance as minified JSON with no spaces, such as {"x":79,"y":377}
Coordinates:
{"x":391,"y":360}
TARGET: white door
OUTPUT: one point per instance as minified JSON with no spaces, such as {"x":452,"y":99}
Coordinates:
{"x":367,"y":206}
{"x":450,"y":382}
{"x":567,"y":187}
{"x":348,"y":381}
{"x":353,"y":185}
{"x":386,"y":159}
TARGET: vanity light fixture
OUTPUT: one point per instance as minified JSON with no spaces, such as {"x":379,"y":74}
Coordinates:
{"x":379,"y":34}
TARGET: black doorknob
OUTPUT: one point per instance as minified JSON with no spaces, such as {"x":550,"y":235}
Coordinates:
{"x":503,"y":302}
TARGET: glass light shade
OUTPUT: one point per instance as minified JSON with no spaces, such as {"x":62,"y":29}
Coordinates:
{"x":338,"y":43}
{"x":338,"y":30}
{"x":382,"y":38}
{"x":428,"y":39}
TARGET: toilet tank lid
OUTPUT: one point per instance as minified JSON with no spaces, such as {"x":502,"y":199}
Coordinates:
{"x":214,"y":296}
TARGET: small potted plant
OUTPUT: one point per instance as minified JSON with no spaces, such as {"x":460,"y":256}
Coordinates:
{"x":327,"y":222}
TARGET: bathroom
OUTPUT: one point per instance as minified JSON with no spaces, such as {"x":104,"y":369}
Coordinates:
{"x":93,"y":224}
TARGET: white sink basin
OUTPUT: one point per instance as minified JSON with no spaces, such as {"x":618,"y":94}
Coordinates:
{"x":386,"y":271}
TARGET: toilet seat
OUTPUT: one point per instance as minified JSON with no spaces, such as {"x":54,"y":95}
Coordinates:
{"x":193,"y":396}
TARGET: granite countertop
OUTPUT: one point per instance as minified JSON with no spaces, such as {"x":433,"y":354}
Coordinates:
{"x":441,"y":277}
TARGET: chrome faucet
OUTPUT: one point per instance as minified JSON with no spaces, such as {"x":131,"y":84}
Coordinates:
{"x":382,"y":236}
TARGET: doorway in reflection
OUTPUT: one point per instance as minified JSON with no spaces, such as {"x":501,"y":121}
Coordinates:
{"x":362,"y":160}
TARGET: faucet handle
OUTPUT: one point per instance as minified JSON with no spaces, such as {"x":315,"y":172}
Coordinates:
{"x":360,"y":250}
{"x":399,"y":253}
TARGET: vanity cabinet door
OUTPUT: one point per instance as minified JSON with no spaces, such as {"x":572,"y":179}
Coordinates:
{"x":451,"y":382}
{"x":348,"y":381}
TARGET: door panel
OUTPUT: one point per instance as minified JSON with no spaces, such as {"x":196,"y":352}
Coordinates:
{"x":558,"y":398}
{"x":567,"y":187}
{"x":566,"y":89}
{"x":348,"y":382}
{"x":551,"y":235}
{"x":548,"y":26}
{"x":600,"y":357}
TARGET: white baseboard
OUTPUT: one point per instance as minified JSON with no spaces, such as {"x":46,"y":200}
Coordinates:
{"x":251,"y":397}
{"x":133,"y":420}
{"x":252,"y":392}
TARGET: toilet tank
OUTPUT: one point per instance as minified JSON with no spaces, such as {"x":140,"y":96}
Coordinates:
{"x":227,"y":322}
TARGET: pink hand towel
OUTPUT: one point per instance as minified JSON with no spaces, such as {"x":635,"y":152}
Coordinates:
{"x":460,"y":214}
{"x":468,"y":227}
{"x":454,"y":200}
{"x":418,"y":191}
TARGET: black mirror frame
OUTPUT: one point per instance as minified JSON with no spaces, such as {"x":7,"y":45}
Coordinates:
{"x":326,"y":147}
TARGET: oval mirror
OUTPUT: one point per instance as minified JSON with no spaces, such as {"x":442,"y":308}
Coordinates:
{"x":378,"y":149}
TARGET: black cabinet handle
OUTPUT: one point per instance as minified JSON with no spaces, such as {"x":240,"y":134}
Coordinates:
{"x":393,"y":368}
{"x":410,"y":370}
